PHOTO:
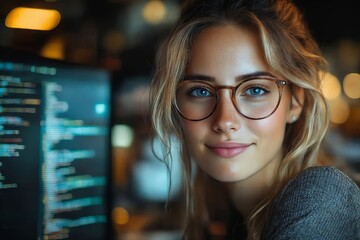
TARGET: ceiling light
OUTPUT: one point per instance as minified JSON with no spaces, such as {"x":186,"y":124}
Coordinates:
{"x":33,"y":18}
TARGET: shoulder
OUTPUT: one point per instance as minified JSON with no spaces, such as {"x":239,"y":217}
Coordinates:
{"x":321,"y":203}
{"x":320,"y":182}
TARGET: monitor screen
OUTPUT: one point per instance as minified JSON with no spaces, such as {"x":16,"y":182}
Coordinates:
{"x":54,"y":149}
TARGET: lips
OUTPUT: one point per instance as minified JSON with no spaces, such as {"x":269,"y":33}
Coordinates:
{"x":228,"y":149}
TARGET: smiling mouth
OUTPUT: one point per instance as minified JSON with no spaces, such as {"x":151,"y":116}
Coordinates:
{"x":228,"y":150}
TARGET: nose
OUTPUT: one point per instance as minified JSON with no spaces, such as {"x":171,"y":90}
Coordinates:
{"x":226,"y":118}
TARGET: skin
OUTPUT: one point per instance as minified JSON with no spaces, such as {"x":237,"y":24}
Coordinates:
{"x":222,"y":54}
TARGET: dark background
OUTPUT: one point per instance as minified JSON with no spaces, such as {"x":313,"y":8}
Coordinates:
{"x":112,"y":34}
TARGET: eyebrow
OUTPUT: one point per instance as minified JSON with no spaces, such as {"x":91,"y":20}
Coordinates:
{"x":201,"y":77}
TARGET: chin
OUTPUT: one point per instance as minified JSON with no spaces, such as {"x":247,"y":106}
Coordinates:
{"x":229,"y":178}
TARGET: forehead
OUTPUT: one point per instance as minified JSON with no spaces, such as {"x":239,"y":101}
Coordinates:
{"x":226,"y":51}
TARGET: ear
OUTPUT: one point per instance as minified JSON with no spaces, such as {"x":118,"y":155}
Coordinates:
{"x":296,"y":106}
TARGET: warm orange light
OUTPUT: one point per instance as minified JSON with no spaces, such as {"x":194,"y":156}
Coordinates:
{"x":331,"y":86}
{"x":54,"y":48}
{"x":154,"y":11}
{"x":120,"y":216}
{"x":352,"y":85}
{"x":33,"y":18}
{"x":339,"y":110}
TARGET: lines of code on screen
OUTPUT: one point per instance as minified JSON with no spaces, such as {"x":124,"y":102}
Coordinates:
{"x":54,"y":137}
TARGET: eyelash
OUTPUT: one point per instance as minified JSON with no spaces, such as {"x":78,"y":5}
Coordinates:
{"x":262,"y":89}
{"x":196,"y":89}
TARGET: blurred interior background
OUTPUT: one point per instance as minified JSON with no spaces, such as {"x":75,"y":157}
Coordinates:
{"x":121,"y":36}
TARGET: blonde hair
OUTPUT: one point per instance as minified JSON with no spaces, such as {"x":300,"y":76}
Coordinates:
{"x":289,"y":49}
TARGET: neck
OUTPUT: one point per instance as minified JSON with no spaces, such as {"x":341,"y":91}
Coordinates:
{"x":248,"y":193}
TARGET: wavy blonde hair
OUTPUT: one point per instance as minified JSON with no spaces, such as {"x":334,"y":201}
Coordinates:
{"x":289,"y":50}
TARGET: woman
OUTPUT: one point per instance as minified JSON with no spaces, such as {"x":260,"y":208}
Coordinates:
{"x":238,"y":83}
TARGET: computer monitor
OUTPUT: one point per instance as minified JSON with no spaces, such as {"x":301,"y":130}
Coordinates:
{"x":54,"y":149}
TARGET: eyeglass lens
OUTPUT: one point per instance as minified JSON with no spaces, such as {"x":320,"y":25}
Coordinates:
{"x":255,"y":98}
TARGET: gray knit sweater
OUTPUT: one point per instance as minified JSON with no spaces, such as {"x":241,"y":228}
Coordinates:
{"x":320,"y":203}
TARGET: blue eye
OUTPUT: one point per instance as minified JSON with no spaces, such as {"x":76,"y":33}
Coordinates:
{"x":255,"y":91}
{"x":200,"y":92}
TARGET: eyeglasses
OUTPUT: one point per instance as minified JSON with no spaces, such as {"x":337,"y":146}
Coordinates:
{"x":254,"y":98}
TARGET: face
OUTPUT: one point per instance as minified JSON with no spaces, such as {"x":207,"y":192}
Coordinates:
{"x":226,"y":145}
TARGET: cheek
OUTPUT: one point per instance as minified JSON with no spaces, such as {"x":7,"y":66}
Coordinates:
{"x":194,"y":135}
{"x":192,"y":130}
{"x":268,"y":127}
{"x":272,"y":129}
